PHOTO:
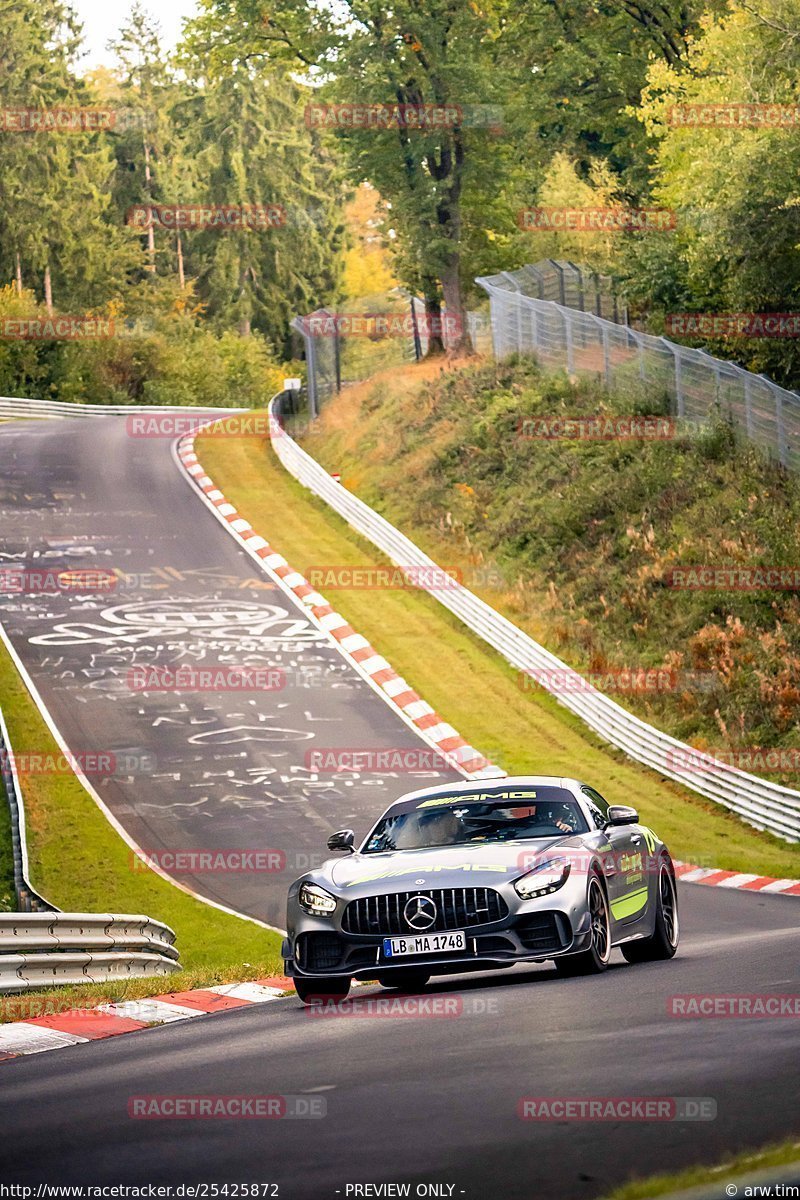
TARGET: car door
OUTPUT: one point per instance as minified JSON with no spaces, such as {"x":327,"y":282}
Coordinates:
{"x":625,"y":865}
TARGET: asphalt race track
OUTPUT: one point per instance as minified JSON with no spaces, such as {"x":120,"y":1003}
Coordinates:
{"x":203,"y":770}
{"x":416,"y":1099}
{"x":435,"y":1099}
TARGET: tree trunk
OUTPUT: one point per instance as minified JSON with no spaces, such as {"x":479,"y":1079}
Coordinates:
{"x":181,"y":278}
{"x":433,"y":318}
{"x":457,"y":341}
{"x":151,"y":237}
{"x":48,"y":290}
{"x":19,"y":274}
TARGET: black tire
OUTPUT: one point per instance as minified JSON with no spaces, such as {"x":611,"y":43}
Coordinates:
{"x":595,"y":959}
{"x":311,"y":991}
{"x":405,"y":981}
{"x":663,"y":942}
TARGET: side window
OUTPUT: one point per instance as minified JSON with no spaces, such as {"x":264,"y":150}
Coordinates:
{"x":598,"y":807}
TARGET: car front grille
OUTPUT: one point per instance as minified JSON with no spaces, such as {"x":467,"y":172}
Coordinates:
{"x":319,"y":951}
{"x":456,"y":908}
{"x":542,"y":931}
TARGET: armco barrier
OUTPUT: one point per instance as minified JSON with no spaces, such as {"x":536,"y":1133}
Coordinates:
{"x":39,"y":949}
{"x":761,"y":803}
{"x":14,"y":407}
{"x":40,"y":945}
{"x":28,"y":898}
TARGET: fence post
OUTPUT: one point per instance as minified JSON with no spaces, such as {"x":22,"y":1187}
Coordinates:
{"x":568,"y":337}
{"x":606,"y":355}
{"x":561,"y":290}
{"x":313,"y":380}
{"x":415,"y":328}
{"x":748,"y":406}
{"x":679,"y":400}
{"x":517,"y":345}
{"x":642,"y":363}
{"x":579,"y":272}
{"x":780,"y":428}
{"x":337,"y":359}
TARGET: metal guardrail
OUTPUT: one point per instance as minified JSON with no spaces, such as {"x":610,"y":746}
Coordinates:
{"x":28,"y":898}
{"x":19,"y":407}
{"x":697,"y":384}
{"x":763,"y":804}
{"x":39,"y":949}
{"x":20,"y":972}
{"x":39,"y":945}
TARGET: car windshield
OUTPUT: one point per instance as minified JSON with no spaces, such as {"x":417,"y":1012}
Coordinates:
{"x":477,"y":818}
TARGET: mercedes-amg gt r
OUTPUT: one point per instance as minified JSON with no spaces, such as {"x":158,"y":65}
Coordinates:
{"x":479,"y":875}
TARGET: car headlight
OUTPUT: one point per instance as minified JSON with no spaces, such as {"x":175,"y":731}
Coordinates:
{"x":316,"y":900}
{"x":547,"y":877}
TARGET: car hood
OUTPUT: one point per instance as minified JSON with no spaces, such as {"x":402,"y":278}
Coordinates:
{"x":439,"y":866}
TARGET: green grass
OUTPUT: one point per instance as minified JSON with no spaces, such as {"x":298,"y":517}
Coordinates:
{"x":784,"y":1154}
{"x":468,"y":683}
{"x":79,"y":863}
{"x":580,"y":535}
{"x":8,"y":901}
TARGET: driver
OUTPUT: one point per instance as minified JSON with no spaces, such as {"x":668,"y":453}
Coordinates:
{"x":538,"y":815}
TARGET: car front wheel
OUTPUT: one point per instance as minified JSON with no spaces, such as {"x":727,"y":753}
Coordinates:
{"x":663,"y":942}
{"x":595,"y":959}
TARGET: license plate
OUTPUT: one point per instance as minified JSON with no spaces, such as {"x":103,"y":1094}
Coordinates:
{"x":423,"y":943}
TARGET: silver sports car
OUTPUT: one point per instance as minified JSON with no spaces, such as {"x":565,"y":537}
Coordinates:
{"x":479,"y":875}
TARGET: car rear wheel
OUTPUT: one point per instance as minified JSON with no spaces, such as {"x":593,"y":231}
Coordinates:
{"x":595,"y":959}
{"x":313,"y":990}
{"x":663,"y":942}
{"x":405,"y":981}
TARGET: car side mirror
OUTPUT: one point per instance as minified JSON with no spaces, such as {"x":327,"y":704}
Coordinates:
{"x":621,"y":814}
{"x":342,"y":840}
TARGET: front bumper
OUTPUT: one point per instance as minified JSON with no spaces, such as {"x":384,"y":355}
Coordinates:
{"x":318,"y":949}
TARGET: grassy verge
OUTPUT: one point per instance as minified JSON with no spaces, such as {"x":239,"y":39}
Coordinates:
{"x":82,"y":865}
{"x":470,"y":685}
{"x":784,"y":1154}
{"x":8,"y":900}
{"x":578,"y":540}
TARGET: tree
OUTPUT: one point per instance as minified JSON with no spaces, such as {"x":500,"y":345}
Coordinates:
{"x":734,"y":187}
{"x":423,"y":59}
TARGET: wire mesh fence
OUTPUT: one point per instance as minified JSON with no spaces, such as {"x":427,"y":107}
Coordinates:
{"x":342,"y":348}
{"x":697,"y":384}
